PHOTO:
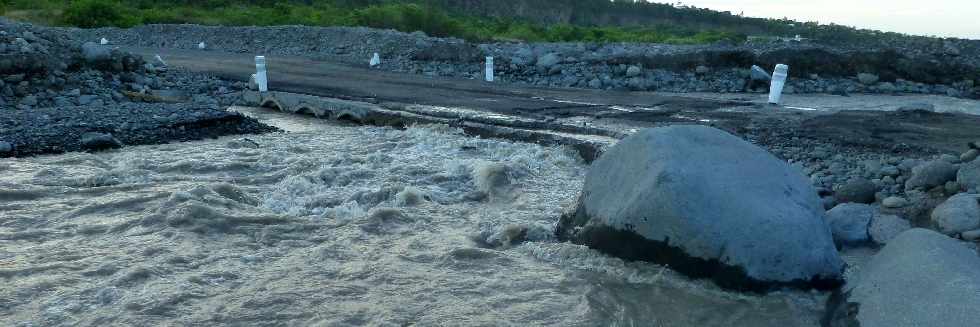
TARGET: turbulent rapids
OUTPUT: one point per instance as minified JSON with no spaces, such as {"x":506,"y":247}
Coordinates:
{"x":330,"y":225}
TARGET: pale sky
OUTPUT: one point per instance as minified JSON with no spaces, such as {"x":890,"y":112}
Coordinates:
{"x":946,"y":18}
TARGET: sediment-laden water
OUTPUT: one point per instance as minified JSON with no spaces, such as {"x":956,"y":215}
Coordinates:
{"x":330,"y":225}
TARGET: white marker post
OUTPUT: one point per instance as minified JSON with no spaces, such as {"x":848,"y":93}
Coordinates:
{"x":375,"y":60}
{"x":778,"y":82}
{"x":489,"y":73}
{"x":103,"y":41}
{"x":260,"y":74}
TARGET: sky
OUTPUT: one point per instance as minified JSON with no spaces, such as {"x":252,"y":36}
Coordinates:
{"x":945,"y":18}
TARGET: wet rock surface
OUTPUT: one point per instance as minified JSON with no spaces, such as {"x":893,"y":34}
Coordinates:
{"x":921,"y":278}
{"x":709,"y":205}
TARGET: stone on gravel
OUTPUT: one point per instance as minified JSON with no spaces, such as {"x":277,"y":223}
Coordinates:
{"x":99,"y":141}
{"x":884,"y":228}
{"x":95,"y":53}
{"x":709,"y":205}
{"x":969,"y":155}
{"x":958,"y":214}
{"x":6,"y":147}
{"x":547,"y":61}
{"x":969,"y":175}
{"x":867,"y":79}
{"x":931,"y":174}
{"x":858,"y":190}
{"x":921,"y":278}
{"x":894,"y":202}
{"x":634,"y":71}
{"x":849,"y":223}
{"x":759,"y":74}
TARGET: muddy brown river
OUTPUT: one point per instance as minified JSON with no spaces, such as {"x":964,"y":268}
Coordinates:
{"x":331,"y":225}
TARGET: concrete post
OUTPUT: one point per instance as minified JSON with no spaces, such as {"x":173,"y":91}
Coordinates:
{"x":261,"y":78}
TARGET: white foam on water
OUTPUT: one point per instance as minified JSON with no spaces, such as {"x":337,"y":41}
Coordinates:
{"x":333,"y":225}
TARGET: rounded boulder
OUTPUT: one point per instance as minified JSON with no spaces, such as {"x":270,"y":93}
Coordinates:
{"x":709,"y":205}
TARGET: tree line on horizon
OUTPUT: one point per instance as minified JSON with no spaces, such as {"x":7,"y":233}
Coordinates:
{"x":475,"y":20}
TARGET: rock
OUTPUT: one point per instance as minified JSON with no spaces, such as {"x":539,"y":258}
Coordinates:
{"x":759,"y":74}
{"x":634,"y":71}
{"x":884,"y":228}
{"x":6,"y":147}
{"x":969,"y":175}
{"x":958,"y":214}
{"x":972,"y":235}
{"x":595,"y":83}
{"x":547,"y":61}
{"x":919,"y":107}
{"x":951,"y":188}
{"x":29,"y":100}
{"x":931,"y":174}
{"x":949,"y":158}
{"x":867,"y":79}
{"x":709,"y":205}
{"x":886,"y":87}
{"x":94,"y":53}
{"x":99,"y":141}
{"x":894,"y":202}
{"x":849,"y":223}
{"x":921,"y":278}
{"x":890,"y":171}
{"x":86,"y":99}
{"x":701,"y":70}
{"x":969,"y":155}
{"x":858,"y":190}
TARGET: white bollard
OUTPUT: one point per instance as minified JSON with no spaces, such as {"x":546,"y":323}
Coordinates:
{"x":375,"y":60}
{"x":489,"y":73}
{"x":261,"y":78}
{"x":201,"y":46}
{"x":778,"y":82}
{"x":103,"y":41}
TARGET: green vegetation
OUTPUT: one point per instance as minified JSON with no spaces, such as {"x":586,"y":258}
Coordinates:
{"x":538,"y":20}
{"x":404,"y":16}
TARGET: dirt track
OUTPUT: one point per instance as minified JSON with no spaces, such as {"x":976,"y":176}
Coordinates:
{"x":850,"y":121}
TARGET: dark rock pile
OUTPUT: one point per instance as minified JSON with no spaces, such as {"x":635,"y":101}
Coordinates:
{"x":913,"y":67}
{"x":93,"y":128}
{"x":58,"y":94}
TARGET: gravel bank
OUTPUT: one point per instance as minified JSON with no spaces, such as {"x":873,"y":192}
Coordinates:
{"x":63,"y":129}
{"x":58,"y":94}
{"x":948,"y":69}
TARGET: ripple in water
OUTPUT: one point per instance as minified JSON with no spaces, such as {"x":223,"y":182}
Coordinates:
{"x":332,"y":225}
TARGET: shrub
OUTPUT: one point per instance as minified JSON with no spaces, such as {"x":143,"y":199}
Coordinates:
{"x":98,"y":13}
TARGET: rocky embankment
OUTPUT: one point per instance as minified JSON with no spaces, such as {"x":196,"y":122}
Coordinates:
{"x":56,"y":89}
{"x":946,"y":68}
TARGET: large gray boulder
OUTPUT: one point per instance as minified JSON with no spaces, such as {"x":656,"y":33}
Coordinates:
{"x":95,"y":53}
{"x":849,"y":223}
{"x":931,"y":174}
{"x":921,"y":278}
{"x":709,"y":205}
{"x":969,"y":175}
{"x":958,"y":214}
